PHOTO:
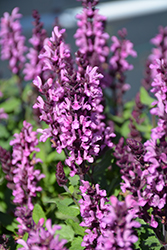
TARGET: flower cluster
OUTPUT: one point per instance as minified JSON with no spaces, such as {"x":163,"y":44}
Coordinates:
{"x":159,"y":52}
{"x":109,"y":225}
{"x":7,"y":167}
{"x":25,"y":177}
{"x":156,"y":155}
{"x":135,"y":174}
{"x":119,"y":232}
{"x":12,"y":41}
{"x":93,"y":210}
{"x":35,"y":65}
{"x":4,"y":242}
{"x":21,"y":175}
{"x":41,"y":238}
{"x":72,"y":108}
{"x":90,"y":36}
{"x":121,"y":49}
{"x":60,"y":175}
{"x":136,"y":118}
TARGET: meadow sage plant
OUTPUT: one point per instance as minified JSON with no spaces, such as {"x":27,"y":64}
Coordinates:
{"x":100,"y":179}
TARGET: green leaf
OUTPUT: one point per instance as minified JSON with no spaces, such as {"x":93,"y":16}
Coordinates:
{"x":153,"y":243}
{"x":13,"y":227}
{"x":72,"y":189}
{"x":129,"y":105}
{"x":116,"y":118}
{"x":10,"y":104}
{"x":66,"y":201}
{"x":76,"y":244}
{"x":125,"y":129}
{"x":38,"y":213}
{"x":3,"y":132}
{"x":8,"y":221}
{"x":71,"y":211}
{"x":74,"y":180}
{"x":54,"y":156}
{"x":147,"y":238}
{"x":27,"y":92}
{"x":66,"y":232}
{"x":145,"y":98}
{"x":76,"y":227}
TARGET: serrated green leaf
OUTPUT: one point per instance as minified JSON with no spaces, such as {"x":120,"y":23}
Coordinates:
{"x":153,"y":243}
{"x":145,"y":98}
{"x":76,"y":244}
{"x":38,"y":213}
{"x":147,"y":237}
{"x":10,"y":104}
{"x":74,"y":180}
{"x":76,"y":227}
{"x":66,"y":232}
{"x":72,"y":211}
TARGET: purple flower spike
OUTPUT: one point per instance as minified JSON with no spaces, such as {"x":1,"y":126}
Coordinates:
{"x":121,"y":49}
{"x":93,"y":210}
{"x":25,"y":177}
{"x":159,"y":52}
{"x":72,"y":107}
{"x":119,"y":232}
{"x":60,"y":175}
{"x":41,"y":238}
{"x":12,"y":41}
{"x":136,"y":118}
{"x":35,"y":65}
{"x":90,"y":36}
{"x":21,"y":176}
{"x":108,"y":225}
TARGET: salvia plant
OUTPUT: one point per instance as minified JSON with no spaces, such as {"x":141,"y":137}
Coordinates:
{"x":81,"y":168}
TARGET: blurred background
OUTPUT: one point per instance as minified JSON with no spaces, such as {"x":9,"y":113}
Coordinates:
{"x":141,"y":18}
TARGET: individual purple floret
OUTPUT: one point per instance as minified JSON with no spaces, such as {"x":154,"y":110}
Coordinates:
{"x":93,"y":210}
{"x":72,"y":108}
{"x":121,"y":49}
{"x":120,"y":224}
{"x":90,"y":36}
{"x":41,"y":238}
{"x":12,"y":41}
{"x":35,"y":65}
